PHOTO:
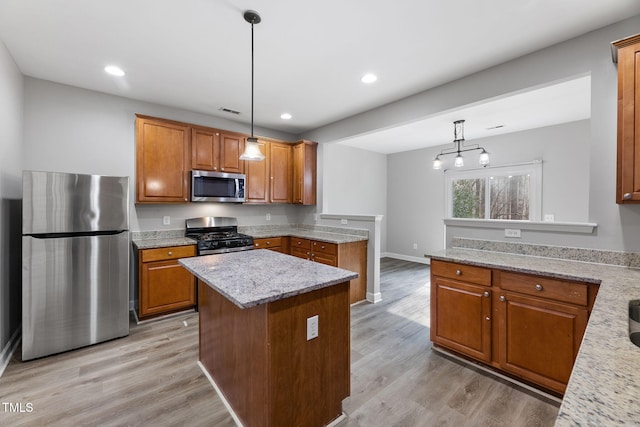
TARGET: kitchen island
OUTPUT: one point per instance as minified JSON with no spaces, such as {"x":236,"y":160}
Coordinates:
{"x":259,"y":311}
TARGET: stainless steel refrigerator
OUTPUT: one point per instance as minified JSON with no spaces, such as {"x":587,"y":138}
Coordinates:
{"x":75,"y":261}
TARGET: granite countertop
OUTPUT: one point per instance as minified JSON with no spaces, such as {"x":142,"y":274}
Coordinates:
{"x":162,"y":242}
{"x":605,"y":383}
{"x":304,"y":233}
{"x":275,"y":276}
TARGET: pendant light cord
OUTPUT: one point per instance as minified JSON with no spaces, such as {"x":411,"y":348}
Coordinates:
{"x":252,"y":78}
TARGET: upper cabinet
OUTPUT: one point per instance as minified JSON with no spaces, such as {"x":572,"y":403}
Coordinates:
{"x":257,"y":187}
{"x":163,"y":160}
{"x":280,"y":172}
{"x":304,"y":172}
{"x":167,"y":151}
{"x":628,"y":168}
{"x":217,"y":150}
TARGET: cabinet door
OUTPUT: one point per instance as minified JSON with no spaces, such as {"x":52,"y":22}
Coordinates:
{"x":301,"y":252}
{"x":461,"y":317}
{"x":539,"y":339}
{"x":205,"y":146}
{"x":163,"y":161}
{"x":257,"y":188}
{"x":231,"y":147}
{"x":280,"y":185}
{"x":304,"y":172}
{"x":628,"y":167}
{"x":165,"y":286}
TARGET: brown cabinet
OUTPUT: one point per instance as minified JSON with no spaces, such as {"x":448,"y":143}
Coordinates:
{"x":540,"y":328}
{"x":628,"y":162}
{"x":257,"y":187}
{"x":164,"y":285}
{"x":304,"y":172}
{"x":163,"y":160}
{"x":273,"y":243}
{"x":525,"y":325}
{"x":269,"y":181}
{"x":217,"y":150}
{"x":280,"y":167}
{"x":351,"y":256}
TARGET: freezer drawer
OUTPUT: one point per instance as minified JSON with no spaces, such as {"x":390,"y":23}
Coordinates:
{"x":75,"y":292}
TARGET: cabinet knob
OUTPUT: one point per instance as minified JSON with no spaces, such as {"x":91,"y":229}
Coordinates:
{"x":299,"y":242}
{"x":538,"y":287}
{"x":221,"y":169}
{"x":458,"y":273}
{"x":215,"y":168}
{"x":627,"y":196}
{"x":268,"y":242}
{"x":502,"y":298}
{"x":486,"y":294}
{"x":487,"y":318}
{"x":170,"y":253}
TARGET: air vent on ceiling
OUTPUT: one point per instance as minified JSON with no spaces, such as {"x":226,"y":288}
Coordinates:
{"x":229,"y":110}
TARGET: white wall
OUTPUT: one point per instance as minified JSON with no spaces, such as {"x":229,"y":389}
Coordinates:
{"x":354,"y":181}
{"x":68,"y":129}
{"x":618,"y":226}
{"x":417,"y":192}
{"x":11,"y":122}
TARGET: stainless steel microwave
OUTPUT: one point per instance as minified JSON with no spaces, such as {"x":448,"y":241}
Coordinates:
{"x":207,"y":186}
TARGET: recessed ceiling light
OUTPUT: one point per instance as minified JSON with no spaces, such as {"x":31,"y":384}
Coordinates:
{"x":114,"y":70}
{"x":285,"y":116}
{"x":369,"y":78}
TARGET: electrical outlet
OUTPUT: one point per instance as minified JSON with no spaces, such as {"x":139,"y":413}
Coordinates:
{"x":166,"y":220}
{"x":312,"y":327}
{"x":268,"y":217}
{"x":343,"y":221}
{"x":511,"y":232}
{"x":549,"y":217}
{"x":415,"y":246}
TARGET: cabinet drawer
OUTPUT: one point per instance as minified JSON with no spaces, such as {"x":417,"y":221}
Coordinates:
{"x":268,"y":243}
{"x":559,"y":290}
{"x":173,"y":252}
{"x":300,"y":243}
{"x":331,"y":260}
{"x":324,"y":247}
{"x":300,"y":252}
{"x":463,"y":272}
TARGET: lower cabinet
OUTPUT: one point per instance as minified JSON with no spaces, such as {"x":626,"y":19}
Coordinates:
{"x":277,"y":244}
{"x":350,"y":256}
{"x":164,"y":286}
{"x":525,"y":325}
{"x":462,"y":317}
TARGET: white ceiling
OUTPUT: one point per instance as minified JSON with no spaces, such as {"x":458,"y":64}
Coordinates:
{"x":309,"y":56}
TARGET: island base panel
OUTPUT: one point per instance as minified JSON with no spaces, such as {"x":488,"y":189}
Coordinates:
{"x":262,"y":362}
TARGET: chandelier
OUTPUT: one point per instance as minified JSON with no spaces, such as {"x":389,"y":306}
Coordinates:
{"x":459,"y":148}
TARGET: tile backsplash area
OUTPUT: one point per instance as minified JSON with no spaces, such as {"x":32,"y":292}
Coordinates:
{"x":627,"y":259}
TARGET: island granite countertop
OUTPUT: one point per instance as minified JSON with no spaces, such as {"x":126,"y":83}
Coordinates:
{"x":605,"y":382}
{"x":249,"y":278}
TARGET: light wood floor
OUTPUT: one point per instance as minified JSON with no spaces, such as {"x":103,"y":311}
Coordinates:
{"x":151,"y":376}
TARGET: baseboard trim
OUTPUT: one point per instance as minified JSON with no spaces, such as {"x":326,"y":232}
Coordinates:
{"x":219,"y":392}
{"x":9,"y":349}
{"x":374,"y":297}
{"x":418,"y":259}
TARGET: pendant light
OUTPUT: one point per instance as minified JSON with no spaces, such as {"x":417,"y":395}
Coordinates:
{"x":251,"y":148}
{"x":459,"y":148}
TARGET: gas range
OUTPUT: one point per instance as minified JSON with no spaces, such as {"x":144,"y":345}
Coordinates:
{"x":217,"y":235}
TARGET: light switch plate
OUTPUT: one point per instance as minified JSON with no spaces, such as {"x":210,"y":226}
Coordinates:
{"x":312,"y":327}
{"x":166,"y":220}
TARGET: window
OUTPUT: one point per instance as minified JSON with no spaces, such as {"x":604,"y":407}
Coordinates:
{"x":504,"y":193}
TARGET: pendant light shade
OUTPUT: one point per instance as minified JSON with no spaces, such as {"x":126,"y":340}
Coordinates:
{"x":251,"y":148}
